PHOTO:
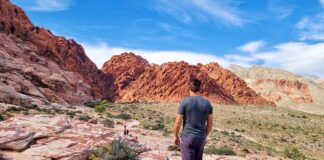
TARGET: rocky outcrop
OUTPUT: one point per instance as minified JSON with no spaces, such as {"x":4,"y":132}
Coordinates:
{"x":284,"y":88}
{"x":52,"y":137}
{"x":38,"y":66}
{"x":137,"y":80}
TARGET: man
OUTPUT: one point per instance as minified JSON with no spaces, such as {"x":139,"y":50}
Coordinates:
{"x":196,"y":114}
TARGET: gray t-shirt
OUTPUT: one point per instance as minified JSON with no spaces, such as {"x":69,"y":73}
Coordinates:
{"x":195,"y":111}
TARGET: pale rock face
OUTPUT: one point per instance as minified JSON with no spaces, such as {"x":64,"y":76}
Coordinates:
{"x":49,"y":136}
{"x":285,"y":89}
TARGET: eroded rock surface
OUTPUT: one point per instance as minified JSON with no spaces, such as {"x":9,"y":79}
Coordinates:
{"x":37,"y":66}
{"x":138,"y":81}
{"x":52,"y":137}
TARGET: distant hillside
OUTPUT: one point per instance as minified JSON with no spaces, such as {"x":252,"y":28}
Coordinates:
{"x":305,"y":93}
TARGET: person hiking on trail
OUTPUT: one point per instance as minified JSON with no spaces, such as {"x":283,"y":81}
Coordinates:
{"x":196,"y":114}
{"x":125,"y":130}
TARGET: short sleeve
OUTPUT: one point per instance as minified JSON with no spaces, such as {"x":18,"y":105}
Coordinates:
{"x":210,"y":108}
{"x":182,"y":108}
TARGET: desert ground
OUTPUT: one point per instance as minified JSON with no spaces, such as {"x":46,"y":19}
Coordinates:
{"x":240,"y":132}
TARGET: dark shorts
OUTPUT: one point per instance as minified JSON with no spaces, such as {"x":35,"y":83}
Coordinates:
{"x":192,"y":148}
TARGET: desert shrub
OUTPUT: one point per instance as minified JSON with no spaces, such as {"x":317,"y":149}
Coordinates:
{"x":108,"y":123}
{"x":91,"y":104}
{"x":219,"y":151}
{"x":245,"y":150}
{"x":157,"y":125}
{"x":16,"y":109}
{"x":1,"y":117}
{"x":173,"y":148}
{"x":84,"y":117}
{"x":294,"y":154}
{"x":100,"y":108}
{"x":225,"y":133}
{"x":122,"y":151}
{"x":123,"y":116}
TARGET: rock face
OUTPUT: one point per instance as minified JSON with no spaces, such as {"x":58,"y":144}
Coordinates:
{"x":52,"y":137}
{"x":284,"y":88}
{"x":137,"y":80}
{"x":37,"y":66}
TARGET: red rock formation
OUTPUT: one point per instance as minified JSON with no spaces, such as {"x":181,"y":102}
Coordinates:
{"x":66,"y":54}
{"x":169,"y":81}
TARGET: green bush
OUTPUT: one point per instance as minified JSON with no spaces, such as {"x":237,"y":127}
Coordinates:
{"x":108,"y":123}
{"x":124,"y":116}
{"x":219,"y":151}
{"x":294,"y":154}
{"x":100,"y":108}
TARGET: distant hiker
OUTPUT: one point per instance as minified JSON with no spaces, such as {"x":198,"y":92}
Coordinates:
{"x":196,"y":114}
{"x":125,"y":130}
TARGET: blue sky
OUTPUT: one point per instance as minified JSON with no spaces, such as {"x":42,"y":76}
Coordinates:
{"x":286,"y":34}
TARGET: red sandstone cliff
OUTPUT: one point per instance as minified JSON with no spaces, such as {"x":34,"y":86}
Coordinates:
{"x":136,"y":80}
{"x":49,"y":58}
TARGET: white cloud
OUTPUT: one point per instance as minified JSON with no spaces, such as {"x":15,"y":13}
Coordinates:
{"x":252,"y":47}
{"x":50,"y":5}
{"x":200,"y":10}
{"x":102,"y":52}
{"x":312,"y":27}
{"x":297,"y":57}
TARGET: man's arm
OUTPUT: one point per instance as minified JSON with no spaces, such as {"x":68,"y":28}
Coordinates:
{"x":176,"y":129}
{"x":209,"y":124}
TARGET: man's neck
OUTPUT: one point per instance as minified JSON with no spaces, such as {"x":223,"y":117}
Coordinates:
{"x":193,"y":94}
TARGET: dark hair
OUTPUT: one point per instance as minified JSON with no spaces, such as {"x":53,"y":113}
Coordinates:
{"x":194,"y":84}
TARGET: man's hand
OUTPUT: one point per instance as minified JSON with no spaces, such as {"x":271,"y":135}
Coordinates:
{"x":176,"y":129}
{"x":177,"y":141}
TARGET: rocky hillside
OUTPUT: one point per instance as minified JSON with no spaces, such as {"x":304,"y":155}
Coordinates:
{"x":37,"y":66}
{"x":284,"y":88}
{"x":136,"y":80}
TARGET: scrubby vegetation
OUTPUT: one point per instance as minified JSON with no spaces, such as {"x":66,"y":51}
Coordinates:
{"x":108,"y":123}
{"x":294,"y":154}
{"x":118,"y":150}
{"x":219,"y":151}
{"x":124,"y":116}
{"x":251,"y":129}
{"x":84,"y":117}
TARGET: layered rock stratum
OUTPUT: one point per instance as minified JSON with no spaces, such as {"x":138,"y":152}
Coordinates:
{"x":285,"y":89}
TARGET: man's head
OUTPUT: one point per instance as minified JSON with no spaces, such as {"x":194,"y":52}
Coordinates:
{"x":194,"y":84}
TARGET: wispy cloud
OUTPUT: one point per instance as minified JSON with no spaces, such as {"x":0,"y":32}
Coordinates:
{"x":278,"y":9}
{"x":49,"y":5}
{"x":312,"y":27}
{"x":187,"y":11}
{"x":178,"y":31}
{"x":252,"y":47}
